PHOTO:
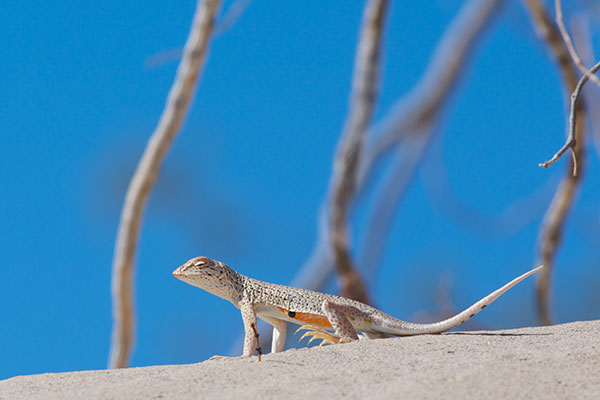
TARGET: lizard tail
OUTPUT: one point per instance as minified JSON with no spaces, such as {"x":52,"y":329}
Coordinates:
{"x":410,"y":329}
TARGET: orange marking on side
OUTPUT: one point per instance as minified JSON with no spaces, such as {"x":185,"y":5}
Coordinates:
{"x":310,"y":319}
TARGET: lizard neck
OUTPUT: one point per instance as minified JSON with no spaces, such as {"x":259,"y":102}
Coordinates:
{"x":234,"y":288}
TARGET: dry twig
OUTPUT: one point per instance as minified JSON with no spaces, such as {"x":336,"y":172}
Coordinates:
{"x":571,"y":140}
{"x":145,"y":176}
{"x":552,"y":225}
{"x":343,"y":183}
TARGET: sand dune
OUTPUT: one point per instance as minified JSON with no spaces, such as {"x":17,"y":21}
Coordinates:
{"x":561,"y":362}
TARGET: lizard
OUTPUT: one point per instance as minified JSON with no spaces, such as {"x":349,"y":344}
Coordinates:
{"x":316,"y":312}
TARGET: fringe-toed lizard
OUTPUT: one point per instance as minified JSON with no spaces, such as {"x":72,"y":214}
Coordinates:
{"x":317,"y":312}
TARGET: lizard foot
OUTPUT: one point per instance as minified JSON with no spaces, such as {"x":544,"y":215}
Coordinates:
{"x":315,"y":333}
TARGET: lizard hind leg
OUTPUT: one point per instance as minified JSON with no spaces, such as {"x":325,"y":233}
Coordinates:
{"x":336,"y":314}
{"x":279,"y":333}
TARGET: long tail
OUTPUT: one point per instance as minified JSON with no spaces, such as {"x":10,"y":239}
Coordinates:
{"x":410,"y":329}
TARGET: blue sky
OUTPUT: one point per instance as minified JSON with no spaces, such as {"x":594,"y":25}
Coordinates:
{"x":245,"y":177}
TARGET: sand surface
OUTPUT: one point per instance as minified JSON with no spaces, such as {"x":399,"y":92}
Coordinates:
{"x":558,"y":362}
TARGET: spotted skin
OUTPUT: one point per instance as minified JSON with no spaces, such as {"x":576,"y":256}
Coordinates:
{"x":278,"y":305}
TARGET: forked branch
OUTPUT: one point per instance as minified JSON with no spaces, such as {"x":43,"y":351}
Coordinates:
{"x":571,"y":140}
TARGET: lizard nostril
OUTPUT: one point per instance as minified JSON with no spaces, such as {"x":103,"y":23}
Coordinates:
{"x":179,"y":271}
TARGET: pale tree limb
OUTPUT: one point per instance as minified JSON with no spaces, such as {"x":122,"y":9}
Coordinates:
{"x":414,"y":118}
{"x":555,"y":217}
{"x":343,"y":183}
{"x":145,"y":176}
{"x":229,"y":18}
{"x":421,"y":105}
{"x":436,"y":84}
{"x":569,"y":43}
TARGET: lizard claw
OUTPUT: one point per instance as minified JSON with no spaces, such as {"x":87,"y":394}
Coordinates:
{"x":315,"y":333}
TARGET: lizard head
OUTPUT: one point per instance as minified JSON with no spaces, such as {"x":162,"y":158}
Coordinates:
{"x":208,"y":274}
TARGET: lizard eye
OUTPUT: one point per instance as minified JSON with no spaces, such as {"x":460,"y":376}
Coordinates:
{"x":199,"y":263}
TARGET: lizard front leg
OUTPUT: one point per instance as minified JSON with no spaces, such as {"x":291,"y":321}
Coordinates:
{"x":251,"y":330}
{"x":251,"y":333}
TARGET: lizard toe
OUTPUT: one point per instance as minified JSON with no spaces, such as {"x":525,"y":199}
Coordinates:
{"x":314,"y":333}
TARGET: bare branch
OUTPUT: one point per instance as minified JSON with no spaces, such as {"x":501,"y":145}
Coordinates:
{"x":343,"y":183}
{"x":417,"y":115}
{"x":423,"y":103}
{"x":434,"y":86}
{"x":583,"y":40}
{"x":571,"y":141}
{"x":145,"y":176}
{"x":554,"y":219}
{"x":569,"y":44}
{"x":227,"y":21}
{"x":547,"y":30}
